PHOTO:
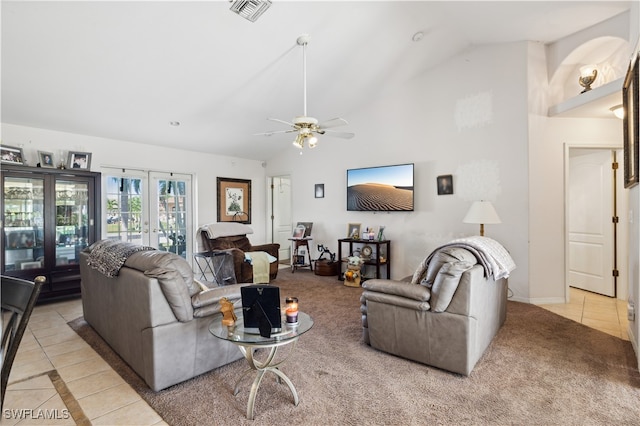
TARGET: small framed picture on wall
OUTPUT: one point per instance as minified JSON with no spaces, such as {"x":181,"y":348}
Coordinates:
{"x":445,"y":184}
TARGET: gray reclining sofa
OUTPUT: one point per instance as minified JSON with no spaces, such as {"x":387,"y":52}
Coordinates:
{"x":156,"y":317}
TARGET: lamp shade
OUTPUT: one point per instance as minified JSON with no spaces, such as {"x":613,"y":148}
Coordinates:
{"x":482,"y":212}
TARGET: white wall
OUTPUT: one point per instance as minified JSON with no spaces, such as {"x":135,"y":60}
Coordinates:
{"x":546,"y":162}
{"x":419,"y":125}
{"x":109,"y":152}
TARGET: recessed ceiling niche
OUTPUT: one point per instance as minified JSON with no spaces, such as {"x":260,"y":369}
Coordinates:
{"x":609,"y":54}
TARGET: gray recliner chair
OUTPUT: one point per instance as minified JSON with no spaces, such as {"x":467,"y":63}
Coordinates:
{"x":446,"y":320}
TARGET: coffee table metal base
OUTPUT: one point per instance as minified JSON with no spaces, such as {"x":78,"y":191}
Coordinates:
{"x":263,"y":367}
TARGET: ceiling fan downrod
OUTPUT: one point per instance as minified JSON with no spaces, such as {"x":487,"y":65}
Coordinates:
{"x":303,"y":40}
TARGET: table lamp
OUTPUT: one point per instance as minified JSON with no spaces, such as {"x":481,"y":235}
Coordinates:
{"x":482,"y":212}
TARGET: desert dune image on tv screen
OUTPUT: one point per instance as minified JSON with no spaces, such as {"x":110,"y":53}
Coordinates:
{"x":388,"y":188}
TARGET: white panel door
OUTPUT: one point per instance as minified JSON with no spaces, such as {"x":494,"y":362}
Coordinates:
{"x":282,"y":228}
{"x":590,"y":221}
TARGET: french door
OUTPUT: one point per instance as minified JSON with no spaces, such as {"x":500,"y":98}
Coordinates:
{"x":149,"y":208}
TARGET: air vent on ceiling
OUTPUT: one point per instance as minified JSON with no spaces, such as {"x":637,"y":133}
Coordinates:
{"x":250,"y":9}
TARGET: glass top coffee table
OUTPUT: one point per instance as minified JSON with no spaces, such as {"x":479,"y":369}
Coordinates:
{"x":249,"y":342}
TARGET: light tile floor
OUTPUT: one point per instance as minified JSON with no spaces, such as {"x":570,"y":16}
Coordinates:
{"x":603,"y":313}
{"x":57,"y":379}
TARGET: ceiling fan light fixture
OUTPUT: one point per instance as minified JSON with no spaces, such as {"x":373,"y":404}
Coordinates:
{"x":299,"y":142}
{"x":307,"y":127}
{"x":251,"y":10}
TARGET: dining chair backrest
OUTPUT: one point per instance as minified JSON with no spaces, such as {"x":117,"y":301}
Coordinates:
{"x":18,"y":298}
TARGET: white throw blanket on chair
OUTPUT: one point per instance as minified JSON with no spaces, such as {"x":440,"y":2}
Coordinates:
{"x":495,"y":259}
{"x":260,"y":262}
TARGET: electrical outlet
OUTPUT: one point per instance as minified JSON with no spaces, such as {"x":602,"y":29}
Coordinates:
{"x":631,"y":311}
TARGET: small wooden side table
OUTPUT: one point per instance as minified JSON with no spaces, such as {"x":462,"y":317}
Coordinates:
{"x":299,"y":260}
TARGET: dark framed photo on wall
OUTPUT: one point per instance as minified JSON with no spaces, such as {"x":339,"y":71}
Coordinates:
{"x":445,"y":184}
{"x":630,"y":123}
{"x":234,"y":200}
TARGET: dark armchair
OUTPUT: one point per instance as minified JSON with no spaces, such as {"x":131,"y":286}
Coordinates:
{"x":232,"y":237}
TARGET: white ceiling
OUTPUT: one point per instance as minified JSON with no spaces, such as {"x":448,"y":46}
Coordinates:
{"x":124,"y":70}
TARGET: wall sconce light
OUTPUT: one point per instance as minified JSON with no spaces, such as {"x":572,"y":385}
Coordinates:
{"x":588,"y":74}
{"x":618,"y":111}
{"x":482,"y":212}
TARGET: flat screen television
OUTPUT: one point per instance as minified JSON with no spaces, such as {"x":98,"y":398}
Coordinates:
{"x":380,"y":189}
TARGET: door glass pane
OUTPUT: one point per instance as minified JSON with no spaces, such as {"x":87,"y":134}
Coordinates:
{"x":72,"y":220}
{"x":124,"y":209}
{"x":172,"y":216}
{"x":23,"y":223}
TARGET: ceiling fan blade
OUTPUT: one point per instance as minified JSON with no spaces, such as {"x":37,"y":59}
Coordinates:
{"x":343,"y":135}
{"x":277,"y":120}
{"x":274,"y":132}
{"x":334,"y":122}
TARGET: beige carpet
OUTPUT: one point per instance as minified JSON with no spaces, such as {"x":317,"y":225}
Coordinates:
{"x":541,"y":369}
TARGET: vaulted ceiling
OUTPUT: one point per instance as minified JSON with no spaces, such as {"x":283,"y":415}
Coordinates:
{"x":125,"y":70}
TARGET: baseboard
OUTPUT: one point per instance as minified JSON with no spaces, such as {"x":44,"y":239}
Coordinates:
{"x":634,"y":342}
{"x":547,"y":300}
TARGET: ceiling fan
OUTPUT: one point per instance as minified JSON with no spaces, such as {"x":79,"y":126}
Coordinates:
{"x":308,"y":127}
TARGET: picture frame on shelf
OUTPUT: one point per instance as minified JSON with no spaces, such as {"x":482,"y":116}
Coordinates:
{"x":630,"y":123}
{"x":353,"y":230}
{"x":233,"y":200}
{"x":79,"y":160}
{"x":298,"y":232}
{"x":46,"y":159}
{"x":308,"y":227}
{"x":11,"y":155}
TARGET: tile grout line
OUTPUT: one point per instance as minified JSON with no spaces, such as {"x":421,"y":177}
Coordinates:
{"x":69,"y":400}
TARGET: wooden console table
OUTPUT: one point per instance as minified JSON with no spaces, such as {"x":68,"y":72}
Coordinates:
{"x":381,"y":257}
